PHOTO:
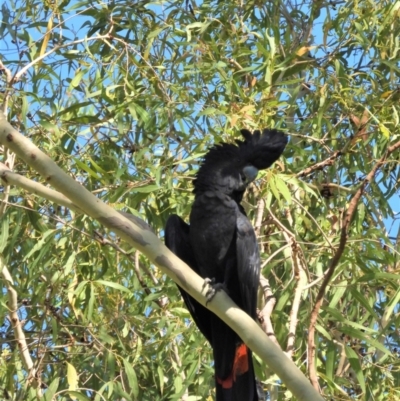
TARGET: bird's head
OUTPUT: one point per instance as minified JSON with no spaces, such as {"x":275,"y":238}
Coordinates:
{"x":234,"y":178}
{"x":230,"y":168}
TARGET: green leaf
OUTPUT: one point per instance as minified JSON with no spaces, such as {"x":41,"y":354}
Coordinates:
{"x":139,"y":113}
{"x":4,"y":233}
{"x":85,"y":167}
{"x":51,"y":390}
{"x":72,"y":377}
{"x":338,"y":291}
{"x":91,"y":303}
{"x":75,"y":395}
{"x":132,"y":379}
{"x":282,"y":188}
{"x":156,"y":32}
{"x":146,"y":188}
{"x":77,"y":79}
{"x":363,"y":301}
{"x":356,"y":366}
{"x":40,"y":244}
{"x":112,"y":285}
{"x":160,"y":378}
{"x":331,"y":359}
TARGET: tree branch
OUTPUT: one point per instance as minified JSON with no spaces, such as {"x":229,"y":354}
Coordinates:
{"x":9,"y":177}
{"x":141,"y":237}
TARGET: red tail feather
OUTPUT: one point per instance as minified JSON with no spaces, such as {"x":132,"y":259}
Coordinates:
{"x":240,"y":366}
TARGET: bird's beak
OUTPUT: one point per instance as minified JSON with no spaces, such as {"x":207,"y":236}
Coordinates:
{"x":250,"y":172}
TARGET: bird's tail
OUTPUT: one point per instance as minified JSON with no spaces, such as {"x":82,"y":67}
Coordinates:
{"x":240,"y":385}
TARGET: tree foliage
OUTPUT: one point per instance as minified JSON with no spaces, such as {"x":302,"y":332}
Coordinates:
{"x":126,"y":97}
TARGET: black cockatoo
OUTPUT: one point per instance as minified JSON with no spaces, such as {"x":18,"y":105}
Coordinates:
{"x":220,"y":244}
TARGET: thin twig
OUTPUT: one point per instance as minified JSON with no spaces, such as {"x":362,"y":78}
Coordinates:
{"x":269,"y":299}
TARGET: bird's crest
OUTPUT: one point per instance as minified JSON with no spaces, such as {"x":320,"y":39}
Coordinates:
{"x":261,"y":149}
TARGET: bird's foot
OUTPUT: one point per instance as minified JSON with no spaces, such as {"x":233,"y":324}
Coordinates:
{"x":212,"y":289}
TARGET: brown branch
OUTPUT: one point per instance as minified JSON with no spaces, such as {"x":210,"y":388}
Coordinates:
{"x":346,"y":220}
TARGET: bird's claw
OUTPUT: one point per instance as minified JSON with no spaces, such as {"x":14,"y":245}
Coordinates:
{"x":208,"y":281}
{"x":212,"y":289}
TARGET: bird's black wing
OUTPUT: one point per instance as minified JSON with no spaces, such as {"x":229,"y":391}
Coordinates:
{"x":178,"y":241}
{"x":248,"y":263}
